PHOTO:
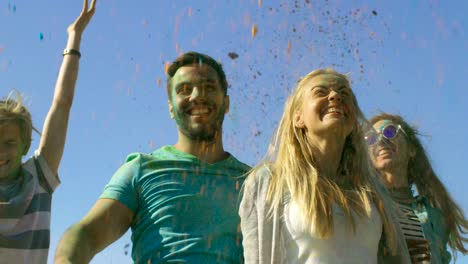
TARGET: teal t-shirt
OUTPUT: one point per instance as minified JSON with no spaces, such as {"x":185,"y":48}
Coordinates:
{"x":185,"y":210}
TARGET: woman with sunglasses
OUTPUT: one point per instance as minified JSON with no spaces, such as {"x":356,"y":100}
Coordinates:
{"x":430,"y":220}
{"x":316,"y":198}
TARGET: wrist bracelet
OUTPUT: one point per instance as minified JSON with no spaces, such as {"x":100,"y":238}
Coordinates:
{"x":71,"y":52}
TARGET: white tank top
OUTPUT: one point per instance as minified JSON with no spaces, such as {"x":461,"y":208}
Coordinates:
{"x":344,"y":246}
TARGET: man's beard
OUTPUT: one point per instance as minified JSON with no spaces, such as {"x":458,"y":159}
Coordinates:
{"x":207,"y":132}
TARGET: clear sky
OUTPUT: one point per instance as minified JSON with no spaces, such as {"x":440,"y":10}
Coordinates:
{"x":405,"y":57}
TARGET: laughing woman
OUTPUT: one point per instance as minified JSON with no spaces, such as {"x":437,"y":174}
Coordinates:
{"x":435,"y":219}
{"x":315,"y":199}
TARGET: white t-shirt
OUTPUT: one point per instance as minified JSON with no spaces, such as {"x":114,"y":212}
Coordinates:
{"x":344,"y":246}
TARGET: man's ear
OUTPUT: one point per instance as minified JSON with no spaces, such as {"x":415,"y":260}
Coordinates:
{"x":171,"y":109}
{"x":226,"y":104}
{"x":298,"y":120}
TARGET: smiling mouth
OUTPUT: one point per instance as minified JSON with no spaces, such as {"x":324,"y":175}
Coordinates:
{"x":198,"y":110}
{"x":334,"y":111}
{"x":384,"y":152}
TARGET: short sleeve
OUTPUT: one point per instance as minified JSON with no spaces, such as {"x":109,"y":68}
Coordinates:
{"x":51,"y":179}
{"x":122,"y":186}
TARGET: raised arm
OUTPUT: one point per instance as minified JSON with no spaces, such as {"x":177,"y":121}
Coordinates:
{"x":106,"y":222}
{"x":56,"y":123}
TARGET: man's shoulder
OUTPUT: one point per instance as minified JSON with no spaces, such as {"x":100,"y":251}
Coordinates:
{"x":169,"y":156}
{"x":162,"y":153}
{"x":238,"y":165}
{"x":163,"y":158}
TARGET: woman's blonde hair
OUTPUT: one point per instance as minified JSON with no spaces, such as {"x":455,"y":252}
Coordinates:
{"x":13,"y":111}
{"x":294,"y":169}
{"x":421,"y":174}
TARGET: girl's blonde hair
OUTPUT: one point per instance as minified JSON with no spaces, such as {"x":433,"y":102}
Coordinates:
{"x":13,"y":111}
{"x":294,"y":169}
{"x":421,"y":174}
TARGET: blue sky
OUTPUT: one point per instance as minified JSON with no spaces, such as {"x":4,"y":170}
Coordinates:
{"x":405,"y":57}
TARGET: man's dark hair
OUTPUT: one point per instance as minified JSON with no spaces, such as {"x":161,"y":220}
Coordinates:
{"x":193,"y":57}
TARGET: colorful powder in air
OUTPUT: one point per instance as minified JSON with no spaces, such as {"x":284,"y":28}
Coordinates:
{"x":233,"y":55}
{"x":12,"y":8}
{"x":166,"y":67}
{"x":254,"y":30}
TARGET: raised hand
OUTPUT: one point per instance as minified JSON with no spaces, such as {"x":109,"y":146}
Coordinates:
{"x":79,"y":25}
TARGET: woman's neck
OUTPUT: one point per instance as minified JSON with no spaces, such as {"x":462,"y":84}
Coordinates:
{"x":328,"y":152}
{"x":395,"y":177}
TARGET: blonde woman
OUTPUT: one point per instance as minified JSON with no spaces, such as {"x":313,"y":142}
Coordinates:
{"x":433,"y":218}
{"x":316,"y":199}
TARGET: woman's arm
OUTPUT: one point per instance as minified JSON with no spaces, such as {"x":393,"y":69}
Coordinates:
{"x":249,"y":222}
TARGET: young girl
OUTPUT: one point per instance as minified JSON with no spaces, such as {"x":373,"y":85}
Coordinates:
{"x":26,"y":188}
{"x":430,"y":220}
{"x":316,"y":198}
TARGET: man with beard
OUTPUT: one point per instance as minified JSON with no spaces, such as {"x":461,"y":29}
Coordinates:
{"x":181,"y":200}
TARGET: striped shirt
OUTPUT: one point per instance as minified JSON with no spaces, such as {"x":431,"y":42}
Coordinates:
{"x":409,"y":221}
{"x":25,"y":215}
{"x":410,"y":224}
